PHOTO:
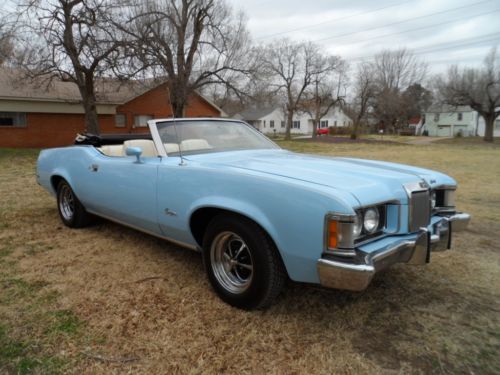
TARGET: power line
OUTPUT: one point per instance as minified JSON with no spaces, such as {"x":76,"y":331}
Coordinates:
{"x":427,"y":27}
{"x":436,"y":48}
{"x":334,"y":20}
{"x":403,"y":21}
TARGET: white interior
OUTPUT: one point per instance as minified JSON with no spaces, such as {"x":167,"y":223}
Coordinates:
{"x":149,"y":149}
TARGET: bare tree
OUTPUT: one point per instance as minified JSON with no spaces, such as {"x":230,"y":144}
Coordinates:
{"x":7,"y":50}
{"x":71,"y":40}
{"x":478,"y":88}
{"x":290,"y":68}
{"x":191,"y":44}
{"x":364,"y":94}
{"x":326,"y":90}
{"x":394,"y":72}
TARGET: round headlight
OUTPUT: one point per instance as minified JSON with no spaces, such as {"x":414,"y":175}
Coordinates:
{"x":357,"y":226}
{"x":371,"y":220}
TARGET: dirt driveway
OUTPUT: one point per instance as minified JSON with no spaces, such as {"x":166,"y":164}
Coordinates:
{"x":111,"y":300}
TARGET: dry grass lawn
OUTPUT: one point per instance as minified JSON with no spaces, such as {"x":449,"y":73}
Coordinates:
{"x":108,"y":299}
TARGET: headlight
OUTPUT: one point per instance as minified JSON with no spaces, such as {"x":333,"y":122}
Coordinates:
{"x":449,"y":198}
{"x":371,"y":220}
{"x":443,"y":198}
{"x":357,"y":226}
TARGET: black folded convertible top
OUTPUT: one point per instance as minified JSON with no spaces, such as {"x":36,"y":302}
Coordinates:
{"x":107,"y":139}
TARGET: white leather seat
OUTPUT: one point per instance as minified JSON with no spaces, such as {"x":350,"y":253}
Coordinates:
{"x":147,"y":146}
{"x":171,"y":147}
{"x":194,"y":144}
{"x":112,"y":150}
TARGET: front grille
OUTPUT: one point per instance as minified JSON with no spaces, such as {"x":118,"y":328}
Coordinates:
{"x":420,"y":210}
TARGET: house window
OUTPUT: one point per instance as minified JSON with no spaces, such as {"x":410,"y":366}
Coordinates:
{"x":460,"y":116}
{"x":436,"y":117}
{"x":264,"y":123}
{"x":120,"y":120}
{"x":13,"y":119}
{"x":141,"y":121}
{"x":282,"y":124}
{"x":323,"y":124}
{"x":271,"y":123}
{"x":296,"y":124}
{"x":335,"y":123}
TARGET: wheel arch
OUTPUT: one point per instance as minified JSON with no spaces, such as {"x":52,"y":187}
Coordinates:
{"x":201,"y":217}
{"x":55,"y":181}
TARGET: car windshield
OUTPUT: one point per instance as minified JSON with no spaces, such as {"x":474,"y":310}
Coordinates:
{"x":202,"y":136}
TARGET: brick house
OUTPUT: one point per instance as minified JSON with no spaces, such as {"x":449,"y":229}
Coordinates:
{"x":41,"y":115}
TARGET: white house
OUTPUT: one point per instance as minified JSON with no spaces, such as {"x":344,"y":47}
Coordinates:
{"x":272,"y":120}
{"x":449,"y":121}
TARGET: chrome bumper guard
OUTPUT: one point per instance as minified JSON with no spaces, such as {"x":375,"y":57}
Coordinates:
{"x":356,"y":276}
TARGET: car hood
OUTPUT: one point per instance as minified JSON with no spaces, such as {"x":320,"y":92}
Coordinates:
{"x":369,"y":181}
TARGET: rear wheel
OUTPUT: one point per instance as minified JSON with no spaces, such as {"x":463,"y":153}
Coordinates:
{"x":242,"y":263}
{"x":71,"y":211}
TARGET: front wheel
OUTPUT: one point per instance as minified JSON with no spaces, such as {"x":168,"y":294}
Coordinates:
{"x":71,"y":210}
{"x":242,"y":263}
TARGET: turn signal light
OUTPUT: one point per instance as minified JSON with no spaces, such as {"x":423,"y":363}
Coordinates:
{"x":332,"y":234}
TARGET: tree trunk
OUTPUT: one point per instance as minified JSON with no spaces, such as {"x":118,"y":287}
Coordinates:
{"x":354,"y":133}
{"x":489,"y":122}
{"x":315,"y":127}
{"x":178,"y":99}
{"x":91,"y":118}
{"x":288,"y":125}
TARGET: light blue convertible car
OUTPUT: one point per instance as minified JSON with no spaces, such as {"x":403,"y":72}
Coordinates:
{"x":259,"y":214}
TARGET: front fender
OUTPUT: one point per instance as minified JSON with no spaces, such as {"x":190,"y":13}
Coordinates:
{"x":243,"y":208}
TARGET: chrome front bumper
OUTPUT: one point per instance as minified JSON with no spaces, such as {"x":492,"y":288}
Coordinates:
{"x":356,"y":274}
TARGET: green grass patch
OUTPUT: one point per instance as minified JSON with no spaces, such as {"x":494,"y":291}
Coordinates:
{"x":20,"y":357}
{"x":64,"y":322}
{"x":16,"y":289}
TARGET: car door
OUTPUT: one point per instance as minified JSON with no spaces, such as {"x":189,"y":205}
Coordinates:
{"x":175,"y":196}
{"x":123,"y":190}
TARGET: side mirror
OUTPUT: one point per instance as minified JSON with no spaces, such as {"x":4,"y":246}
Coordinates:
{"x":134,"y":151}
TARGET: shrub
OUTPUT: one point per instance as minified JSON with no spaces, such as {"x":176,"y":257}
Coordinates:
{"x":336,"y":130}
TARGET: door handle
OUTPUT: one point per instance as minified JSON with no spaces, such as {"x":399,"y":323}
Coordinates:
{"x":94,"y":167}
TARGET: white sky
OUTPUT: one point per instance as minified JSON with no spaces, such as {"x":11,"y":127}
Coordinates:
{"x":442,"y":32}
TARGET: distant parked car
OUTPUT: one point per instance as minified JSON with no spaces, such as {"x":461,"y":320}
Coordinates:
{"x":258,"y":214}
{"x":322,"y":131}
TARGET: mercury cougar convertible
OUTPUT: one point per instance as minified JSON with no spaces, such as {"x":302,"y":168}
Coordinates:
{"x":259,"y":214}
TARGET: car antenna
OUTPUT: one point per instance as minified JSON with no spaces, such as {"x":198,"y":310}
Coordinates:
{"x":177,"y":135}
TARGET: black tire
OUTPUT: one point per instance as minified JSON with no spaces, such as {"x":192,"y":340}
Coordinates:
{"x":240,"y":287}
{"x":71,"y":210}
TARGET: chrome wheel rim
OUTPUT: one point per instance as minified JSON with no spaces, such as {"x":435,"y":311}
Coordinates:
{"x":231,"y":262}
{"x":67,"y":203}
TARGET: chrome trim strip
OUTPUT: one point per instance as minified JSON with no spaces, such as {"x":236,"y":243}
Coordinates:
{"x":356,"y":277}
{"x":180,"y":243}
{"x":459,"y":221}
{"x":444,"y":187}
{"x":342,"y":218}
{"x":156,"y":138}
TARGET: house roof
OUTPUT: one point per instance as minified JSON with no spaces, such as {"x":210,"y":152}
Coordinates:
{"x":255,"y":113}
{"x":14,"y":85}
{"x":446,"y":108}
